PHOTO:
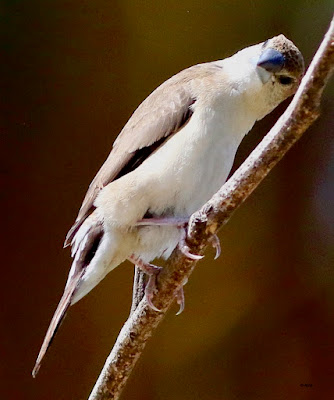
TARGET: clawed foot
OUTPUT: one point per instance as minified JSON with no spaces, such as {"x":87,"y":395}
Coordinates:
{"x":182,"y":224}
{"x":172,"y":221}
{"x":180,"y":299}
{"x":152,"y":271}
{"x":185,"y":248}
{"x":214,"y":241}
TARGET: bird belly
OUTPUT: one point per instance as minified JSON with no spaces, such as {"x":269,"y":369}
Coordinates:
{"x":175,"y":181}
{"x":187,"y":172}
{"x":190,"y":167}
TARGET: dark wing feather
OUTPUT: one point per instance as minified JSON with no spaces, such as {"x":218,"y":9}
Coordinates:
{"x":57,"y":318}
{"x":160,"y":115}
{"x":83,"y":254}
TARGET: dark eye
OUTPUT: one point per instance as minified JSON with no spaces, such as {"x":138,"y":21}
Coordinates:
{"x":285,"y":80}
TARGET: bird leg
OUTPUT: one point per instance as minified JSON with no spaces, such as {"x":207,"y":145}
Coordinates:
{"x":169,"y":221}
{"x":181,"y":223}
{"x":152,"y":271}
{"x":172,"y":221}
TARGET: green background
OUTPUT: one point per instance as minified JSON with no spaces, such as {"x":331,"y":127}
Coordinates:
{"x":258,"y":322}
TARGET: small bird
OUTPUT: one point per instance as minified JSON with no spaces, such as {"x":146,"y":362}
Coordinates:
{"x":173,"y":154}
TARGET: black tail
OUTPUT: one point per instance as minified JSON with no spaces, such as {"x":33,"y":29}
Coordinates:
{"x":57,"y":318}
{"x":83,"y":253}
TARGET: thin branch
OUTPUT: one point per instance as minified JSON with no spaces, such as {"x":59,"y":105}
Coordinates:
{"x":301,"y":113}
{"x":138,"y":288}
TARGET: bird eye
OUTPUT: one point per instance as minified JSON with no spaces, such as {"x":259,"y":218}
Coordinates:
{"x":285,"y":80}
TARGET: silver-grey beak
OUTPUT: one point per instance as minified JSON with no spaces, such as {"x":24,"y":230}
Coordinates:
{"x":271,"y":60}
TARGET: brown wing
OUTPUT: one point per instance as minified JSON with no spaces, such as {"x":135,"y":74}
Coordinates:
{"x":160,"y":115}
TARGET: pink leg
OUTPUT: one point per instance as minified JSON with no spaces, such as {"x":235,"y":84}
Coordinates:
{"x":152,"y":271}
{"x":181,"y":223}
{"x":170,"y":221}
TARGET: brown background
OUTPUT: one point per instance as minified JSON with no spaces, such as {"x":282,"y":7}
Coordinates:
{"x":259,"y":322}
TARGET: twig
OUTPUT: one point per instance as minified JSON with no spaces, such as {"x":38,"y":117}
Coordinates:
{"x":301,"y":113}
{"x":138,"y":288}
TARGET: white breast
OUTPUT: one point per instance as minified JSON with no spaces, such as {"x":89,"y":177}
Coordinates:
{"x":196,"y":161}
{"x":187,"y":171}
{"x":178,"y":178}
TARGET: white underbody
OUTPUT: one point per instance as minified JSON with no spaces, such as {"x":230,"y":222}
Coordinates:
{"x":174,"y":181}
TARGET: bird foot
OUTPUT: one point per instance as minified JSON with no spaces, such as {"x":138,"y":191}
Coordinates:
{"x":185,"y":248}
{"x":181,"y":223}
{"x":214,"y":241}
{"x":152,"y":271}
{"x":171,"y":221}
{"x":180,"y":299}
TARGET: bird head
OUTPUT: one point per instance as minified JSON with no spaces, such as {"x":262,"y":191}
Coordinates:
{"x":274,"y":70}
{"x":280,"y":65}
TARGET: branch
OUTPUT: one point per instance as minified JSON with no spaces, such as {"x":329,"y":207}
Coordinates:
{"x":138,"y":288}
{"x":301,"y":113}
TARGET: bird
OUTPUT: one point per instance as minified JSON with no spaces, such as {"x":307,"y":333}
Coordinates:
{"x":172,"y":155}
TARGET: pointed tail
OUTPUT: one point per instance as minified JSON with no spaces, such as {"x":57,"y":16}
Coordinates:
{"x":57,"y":318}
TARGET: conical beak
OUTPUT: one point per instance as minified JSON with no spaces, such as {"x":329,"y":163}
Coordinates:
{"x":271,"y":60}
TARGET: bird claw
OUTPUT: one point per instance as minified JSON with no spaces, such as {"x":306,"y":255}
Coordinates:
{"x":186,"y":251}
{"x":148,"y":297}
{"x":178,"y":222}
{"x":185,"y":248}
{"x":151,"y":288}
{"x":180,"y":300}
{"x":152,"y":271}
{"x":214,"y":240}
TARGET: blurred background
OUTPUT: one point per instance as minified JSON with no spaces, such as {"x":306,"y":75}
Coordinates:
{"x":258,"y":322}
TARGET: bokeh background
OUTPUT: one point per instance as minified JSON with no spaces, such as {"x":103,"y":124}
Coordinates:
{"x":259,"y":322}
